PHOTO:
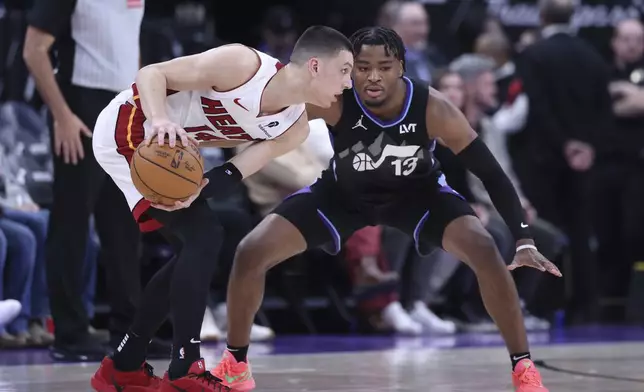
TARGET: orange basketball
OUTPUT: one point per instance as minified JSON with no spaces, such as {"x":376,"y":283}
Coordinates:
{"x":163,"y":174}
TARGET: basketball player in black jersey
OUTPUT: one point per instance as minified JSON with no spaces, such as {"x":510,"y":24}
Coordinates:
{"x":383,"y":172}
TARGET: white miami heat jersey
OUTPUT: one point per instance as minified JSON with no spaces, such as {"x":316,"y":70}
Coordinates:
{"x":211,"y":115}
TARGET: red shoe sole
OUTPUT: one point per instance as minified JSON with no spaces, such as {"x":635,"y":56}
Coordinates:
{"x":100,"y":385}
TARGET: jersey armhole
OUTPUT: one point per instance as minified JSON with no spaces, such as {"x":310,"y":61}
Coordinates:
{"x":259,"y":67}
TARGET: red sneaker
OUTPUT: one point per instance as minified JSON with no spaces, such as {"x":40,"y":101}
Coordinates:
{"x":235,"y":375}
{"x":526,"y":377}
{"x":108,"y":379}
{"x":198,"y":379}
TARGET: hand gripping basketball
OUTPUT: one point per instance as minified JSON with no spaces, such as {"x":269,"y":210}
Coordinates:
{"x":182,"y":204}
{"x":165,"y":175}
{"x":161,"y":128}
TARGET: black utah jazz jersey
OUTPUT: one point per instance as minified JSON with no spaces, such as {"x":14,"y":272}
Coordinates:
{"x":375,"y":159}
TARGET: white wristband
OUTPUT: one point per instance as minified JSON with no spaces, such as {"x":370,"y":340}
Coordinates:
{"x":522,"y":247}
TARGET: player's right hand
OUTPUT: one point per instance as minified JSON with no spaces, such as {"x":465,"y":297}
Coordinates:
{"x":161,"y":128}
{"x":67,"y":138}
{"x":178,"y":205}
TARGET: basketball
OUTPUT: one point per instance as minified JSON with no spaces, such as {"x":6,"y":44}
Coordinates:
{"x":165,"y":175}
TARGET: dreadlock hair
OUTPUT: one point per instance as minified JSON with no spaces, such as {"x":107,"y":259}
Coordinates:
{"x":379,"y":36}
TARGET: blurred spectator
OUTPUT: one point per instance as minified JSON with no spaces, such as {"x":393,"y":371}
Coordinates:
{"x":451,"y":85}
{"x":86,"y":35}
{"x":480,"y":91}
{"x":411,"y":21}
{"x":511,"y":113}
{"x":367,"y":263}
{"x":526,"y":38}
{"x":377,"y":300}
{"x":9,"y":308}
{"x":566,"y":82}
{"x":388,"y":13}
{"x":512,"y":110}
{"x":14,"y":76}
{"x":492,"y":25}
{"x":279,"y":33}
{"x":26,"y":220}
{"x":18,"y":276}
{"x":471,"y":20}
{"x":418,"y":278}
{"x":619,"y":173}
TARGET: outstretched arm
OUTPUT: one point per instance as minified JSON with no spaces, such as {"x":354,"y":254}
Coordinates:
{"x":221,"y":179}
{"x":451,"y":126}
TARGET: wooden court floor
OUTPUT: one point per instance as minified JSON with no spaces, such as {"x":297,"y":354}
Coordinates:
{"x":403,"y":368}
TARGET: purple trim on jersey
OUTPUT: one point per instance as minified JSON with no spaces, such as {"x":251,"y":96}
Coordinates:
{"x":448,"y":189}
{"x":329,"y":225}
{"x":417,"y":230}
{"x":303,"y":190}
{"x":386,"y":124}
{"x":334,"y":232}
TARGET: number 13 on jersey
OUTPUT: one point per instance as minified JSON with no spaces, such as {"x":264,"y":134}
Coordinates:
{"x":404,"y":167}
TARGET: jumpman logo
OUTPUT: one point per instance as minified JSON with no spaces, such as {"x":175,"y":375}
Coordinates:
{"x":359,"y":124}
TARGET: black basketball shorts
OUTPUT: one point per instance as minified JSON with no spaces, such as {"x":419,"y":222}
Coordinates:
{"x":326,"y":217}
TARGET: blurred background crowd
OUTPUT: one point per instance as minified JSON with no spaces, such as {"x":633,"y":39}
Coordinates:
{"x":555,"y":88}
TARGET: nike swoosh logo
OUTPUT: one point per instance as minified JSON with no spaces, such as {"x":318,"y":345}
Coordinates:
{"x":193,"y":341}
{"x":524,"y":225}
{"x":233,"y":379}
{"x":236,"y":101}
{"x":518,"y":358}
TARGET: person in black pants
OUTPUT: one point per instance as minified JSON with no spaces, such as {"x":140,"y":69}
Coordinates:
{"x":618,"y":189}
{"x":566,"y":82}
{"x":82,"y":87}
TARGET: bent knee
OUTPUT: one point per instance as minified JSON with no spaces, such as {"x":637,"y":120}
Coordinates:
{"x":473,"y":243}
{"x":253,"y":253}
{"x":21,"y":238}
{"x":483,"y":243}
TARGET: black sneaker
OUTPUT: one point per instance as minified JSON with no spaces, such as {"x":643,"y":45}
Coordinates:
{"x":85,"y":349}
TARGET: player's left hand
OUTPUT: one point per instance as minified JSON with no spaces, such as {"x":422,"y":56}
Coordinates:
{"x":532,"y":258}
{"x":178,"y":205}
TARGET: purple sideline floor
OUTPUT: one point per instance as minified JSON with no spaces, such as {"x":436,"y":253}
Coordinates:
{"x":607,"y":359}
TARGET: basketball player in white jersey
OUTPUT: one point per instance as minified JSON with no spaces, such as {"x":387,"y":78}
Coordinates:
{"x":223,"y":97}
